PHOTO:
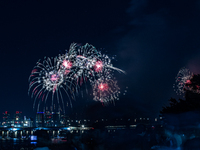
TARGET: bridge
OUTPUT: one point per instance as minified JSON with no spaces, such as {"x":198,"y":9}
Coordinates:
{"x":20,"y":132}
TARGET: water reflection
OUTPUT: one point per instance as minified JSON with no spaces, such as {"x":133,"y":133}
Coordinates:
{"x":16,"y":144}
{"x":34,"y":143}
{"x":141,"y":137}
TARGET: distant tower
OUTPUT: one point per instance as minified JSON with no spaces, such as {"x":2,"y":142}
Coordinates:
{"x":56,"y":119}
{"x":48,"y":119}
{"x":63,"y":119}
{"x":18,"y":120}
{"x":6,"y":119}
{"x":39,"y":119}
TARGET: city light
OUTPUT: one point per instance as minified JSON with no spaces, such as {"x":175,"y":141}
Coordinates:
{"x":14,"y":129}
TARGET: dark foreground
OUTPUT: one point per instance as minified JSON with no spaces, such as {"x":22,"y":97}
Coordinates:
{"x":141,"y":138}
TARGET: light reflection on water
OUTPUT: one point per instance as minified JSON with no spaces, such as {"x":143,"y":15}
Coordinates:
{"x":16,"y":144}
{"x":34,"y":143}
{"x":16,"y":141}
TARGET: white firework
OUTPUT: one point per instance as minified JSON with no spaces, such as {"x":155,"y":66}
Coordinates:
{"x":69,"y":71}
{"x":46,"y":78}
{"x":183,"y":77}
{"x":105,"y":89}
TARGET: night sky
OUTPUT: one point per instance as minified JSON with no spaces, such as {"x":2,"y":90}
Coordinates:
{"x":152,"y":40}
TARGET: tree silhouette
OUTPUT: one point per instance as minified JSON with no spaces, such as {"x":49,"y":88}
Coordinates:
{"x":186,"y":112}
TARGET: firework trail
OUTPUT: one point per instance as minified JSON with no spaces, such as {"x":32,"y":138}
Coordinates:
{"x":105,"y":64}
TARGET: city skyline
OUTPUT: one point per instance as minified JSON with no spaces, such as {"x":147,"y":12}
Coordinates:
{"x":56,"y":119}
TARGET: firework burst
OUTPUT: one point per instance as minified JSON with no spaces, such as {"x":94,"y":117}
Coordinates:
{"x":182,"y":79}
{"x":47,"y":77}
{"x":69,"y":71}
{"x":105,"y":89}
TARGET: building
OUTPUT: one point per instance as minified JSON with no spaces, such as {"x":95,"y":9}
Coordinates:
{"x":39,"y":122}
{"x":6,"y":119}
{"x":48,"y":119}
{"x":17,"y":120}
{"x":63,"y":120}
{"x":28,"y":122}
{"x":55,"y":119}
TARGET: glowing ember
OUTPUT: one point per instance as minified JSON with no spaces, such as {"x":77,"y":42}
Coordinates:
{"x":103,"y":87}
{"x":54,"y":77}
{"x":98,"y":66}
{"x":67,"y":64}
{"x":188,"y":82}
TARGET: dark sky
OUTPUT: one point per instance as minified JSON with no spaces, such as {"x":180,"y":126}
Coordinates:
{"x":152,"y":40}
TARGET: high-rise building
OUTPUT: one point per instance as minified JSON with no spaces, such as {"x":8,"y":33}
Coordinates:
{"x":48,"y":119}
{"x":28,"y":122}
{"x":55,"y":119}
{"x":18,"y":120}
{"x":63,"y":120}
{"x":6,"y":119}
{"x":39,"y":119}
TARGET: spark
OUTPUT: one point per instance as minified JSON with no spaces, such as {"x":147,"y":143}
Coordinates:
{"x":98,"y":66}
